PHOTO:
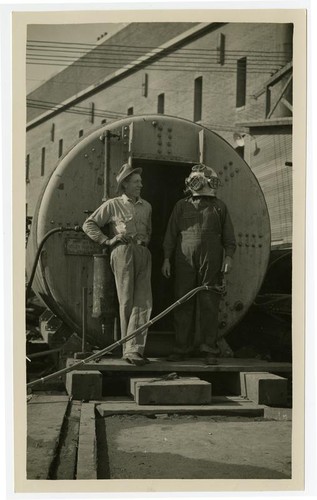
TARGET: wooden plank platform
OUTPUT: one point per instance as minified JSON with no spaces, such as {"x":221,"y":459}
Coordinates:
{"x":191,"y":365}
{"x":222,"y":406}
{"x":86,"y":461}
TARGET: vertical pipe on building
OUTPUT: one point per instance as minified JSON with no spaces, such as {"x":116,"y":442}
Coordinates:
{"x":130,"y":143}
{"x":92,"y":112}
{"x":201,"y":139}
{"x":145,"y":80}
{"x":107,"y":166}
{"x":84,"y":318}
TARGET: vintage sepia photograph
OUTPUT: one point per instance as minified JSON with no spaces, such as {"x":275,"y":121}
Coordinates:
{"x":160,"y":256}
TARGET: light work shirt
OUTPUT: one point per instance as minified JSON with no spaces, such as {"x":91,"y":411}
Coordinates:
{"x":122,"y":215}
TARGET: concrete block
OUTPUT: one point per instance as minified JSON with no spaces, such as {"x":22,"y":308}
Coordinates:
{"x":264,"y":388}
{"x":183,"y":391}
{"x":84,"y":385}
{"x":278,"y":413}
{"x":136,"y":380}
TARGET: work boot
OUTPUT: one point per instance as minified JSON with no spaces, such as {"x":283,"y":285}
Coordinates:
{"x":206,"y":349}
{"x":146,"y":360}
{"x":134,"y":359}
{"x":177,"y":356}
{"x":211,"y":359}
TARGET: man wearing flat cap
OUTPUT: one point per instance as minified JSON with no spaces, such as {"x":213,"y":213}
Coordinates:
{"x":128,"y":217}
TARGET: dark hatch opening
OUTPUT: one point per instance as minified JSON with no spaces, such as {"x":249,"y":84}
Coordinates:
{"x":163,"y":186}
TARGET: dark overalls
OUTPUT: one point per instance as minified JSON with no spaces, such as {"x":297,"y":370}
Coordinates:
{"x":201,"y":233}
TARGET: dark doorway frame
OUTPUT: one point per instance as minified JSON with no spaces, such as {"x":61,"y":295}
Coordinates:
{"x":163,"y":185}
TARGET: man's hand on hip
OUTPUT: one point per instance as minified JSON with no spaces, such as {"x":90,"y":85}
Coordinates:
{"x":118,"y":238}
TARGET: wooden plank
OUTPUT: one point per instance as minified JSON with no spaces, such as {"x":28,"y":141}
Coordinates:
{"x":86,"y":462}
{"x":66,"y":467}
{"x":273,"y":122}
{"x":45,"y":416}
{"x":287,"y":104}
{"x":190,"y":365}
{"x":234,"y":406}
{"x":274,"y":79}
{"x":280,"y":95}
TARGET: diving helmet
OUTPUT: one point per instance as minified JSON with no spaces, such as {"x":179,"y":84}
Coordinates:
{"x":202,"y":181}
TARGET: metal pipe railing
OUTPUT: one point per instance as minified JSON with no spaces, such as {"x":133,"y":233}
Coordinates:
{"x":141,"y":329}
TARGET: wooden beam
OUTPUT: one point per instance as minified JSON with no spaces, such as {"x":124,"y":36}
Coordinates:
{"x":287,"y":104}
{"x":280,"y":95}
{"x":280,"y":121}
{"x":274,"y":79}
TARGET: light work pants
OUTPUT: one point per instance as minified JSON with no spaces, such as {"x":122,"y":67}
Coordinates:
{"x":131,"y":265}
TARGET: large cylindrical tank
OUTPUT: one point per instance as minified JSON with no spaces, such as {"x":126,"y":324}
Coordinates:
{"x":166,"y":148}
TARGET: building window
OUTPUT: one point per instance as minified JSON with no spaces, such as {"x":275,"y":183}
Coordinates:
{"x":160,"y":103}
{"x":81,"y":133}
{"x":130,"y":111}
{"x":145,"y":84}
{"x":92,"y":112}
{"x":60,"y":148}
{"x":27,"y":168}
{"x":43,"y":162}
{"x":241,"y":82}
{"x":221,"y":49}
{"x":198,"y":99}
{"x":53,"y":132}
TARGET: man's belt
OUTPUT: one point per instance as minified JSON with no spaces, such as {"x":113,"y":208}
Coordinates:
{"x":138,"y":242}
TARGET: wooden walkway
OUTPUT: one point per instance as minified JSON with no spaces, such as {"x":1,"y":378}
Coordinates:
{"x":111,"y":364}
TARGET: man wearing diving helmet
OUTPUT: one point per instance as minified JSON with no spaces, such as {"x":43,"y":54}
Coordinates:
{"x":201,"y":234}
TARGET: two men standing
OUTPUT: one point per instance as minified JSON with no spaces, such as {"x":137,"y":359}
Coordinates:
{"x":201,"y":236}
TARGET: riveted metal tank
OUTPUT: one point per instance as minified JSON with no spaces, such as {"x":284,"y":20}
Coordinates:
{"x":166,"y":148}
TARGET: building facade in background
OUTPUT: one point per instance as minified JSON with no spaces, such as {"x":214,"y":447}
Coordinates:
{"x":233,"y":78}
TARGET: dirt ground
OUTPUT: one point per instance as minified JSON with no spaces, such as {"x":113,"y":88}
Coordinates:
{"x":193,"y":447}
